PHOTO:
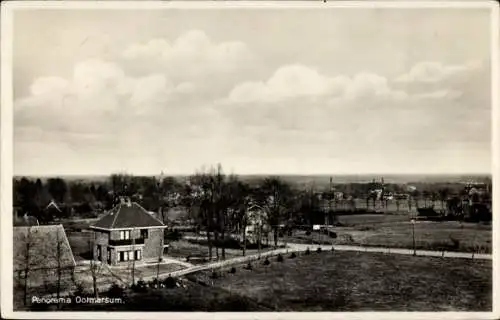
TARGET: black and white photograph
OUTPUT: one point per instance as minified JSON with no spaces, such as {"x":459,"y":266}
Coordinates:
{"x":248,"y":157}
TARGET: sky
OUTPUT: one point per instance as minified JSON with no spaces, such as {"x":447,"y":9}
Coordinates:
{"x":289,"y":91}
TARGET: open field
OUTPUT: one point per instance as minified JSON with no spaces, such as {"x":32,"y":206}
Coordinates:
{"x":346,"y":281}
{"x":327,"y":281}
{"x":79,"y":243}
{"x":396,"y":231}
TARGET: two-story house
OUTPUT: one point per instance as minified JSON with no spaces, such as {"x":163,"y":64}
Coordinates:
{"x":128,"y":232}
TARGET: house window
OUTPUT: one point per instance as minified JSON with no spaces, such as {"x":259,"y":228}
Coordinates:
{"x":99,"y":252}
{"x":137,"y":254}
{"x":124,"y":234}
{"x":122,"y":256}
{"x":144,"y":233}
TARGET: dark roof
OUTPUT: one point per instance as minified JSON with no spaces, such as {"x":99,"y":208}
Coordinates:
{"x":125,"y":216}
{"x":43,"y":243}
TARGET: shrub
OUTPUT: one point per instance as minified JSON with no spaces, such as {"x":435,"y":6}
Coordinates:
{"x":318,"y":250}
{"x":140,"y":286}
{"x":233,"y":270}
{"x":308,"y":252}
{"x":267,"y":262}
{"x":79,"y":290}
{"x":169,"y":282}
{"x":174,"y":235}
{"x":308,"y":233}
{"x":280,"y":258}
{"x":215,"y":275}
{"x":152,"y":284}
{"x":249,"y":266}
{"x":456,"y":242}
{"x":293,"y":255}
{"x":115,"y":291}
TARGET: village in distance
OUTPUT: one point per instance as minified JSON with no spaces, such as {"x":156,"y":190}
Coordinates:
{"x":213,"y":241}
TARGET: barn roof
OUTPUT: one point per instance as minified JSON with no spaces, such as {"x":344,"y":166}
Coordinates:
{"x":38,"y":246}
{"x":125,"y":216}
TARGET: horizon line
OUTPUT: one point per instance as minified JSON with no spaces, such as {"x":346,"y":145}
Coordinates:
{"x":263,"y":174}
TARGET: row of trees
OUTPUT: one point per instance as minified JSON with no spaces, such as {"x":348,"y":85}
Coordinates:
{"x":210,"y":191}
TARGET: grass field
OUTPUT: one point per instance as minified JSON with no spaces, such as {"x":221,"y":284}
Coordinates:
{"x":390,"y":230}
{"x":328,"y":281}
{"x":346,"y":281}
{"x":79,"y":243}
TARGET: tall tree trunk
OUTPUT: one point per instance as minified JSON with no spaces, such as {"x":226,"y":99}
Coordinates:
{"x":209,"y":240}
{"x":276,"y":235}
{"x":160,"y":256}
{"x":216,"y":238}
{"x":223,"y":245}
{"x":244,"y":240}
{"x":259,"y":238}
{"x":133,"y":257}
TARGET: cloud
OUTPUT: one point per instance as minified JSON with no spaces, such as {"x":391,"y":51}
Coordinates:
{"x":439,"y":94}
{"x":298,"y":81}
{"x":191,"y":55}
{"x":99,"y":98}
{"x":432,"y":72}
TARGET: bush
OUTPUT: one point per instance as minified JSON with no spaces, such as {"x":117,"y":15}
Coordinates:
{"x":318,"y":250}
{"x":308,"y":252}
{"x":249,"y":266}
{"x":308,"y":233}
{"x":332,"y":234}
{"x":233,"y":270}
{"x":153,"y":283}
{"x":80,"y":291}
{"x":115,"y":291}
{"x":169,"y":282}
{"x":215,"y":275}
{"x":267,"y":262}
{"x":280,"y":258}
{"x":173,"y":235}
{"x":456,"y":242}
{"x":140,"y":286}
{"x":293,"y":255}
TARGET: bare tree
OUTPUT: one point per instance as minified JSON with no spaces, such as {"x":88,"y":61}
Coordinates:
{"x":277,"y":197}
{"x":27,"y":263}
{"x":58,"y":258}
{"x":95,"y":267}
{"x":133,"y":256}
{"x":160,"y":258}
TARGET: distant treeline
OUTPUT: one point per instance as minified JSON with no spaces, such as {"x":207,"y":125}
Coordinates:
{"x":85,"y":198}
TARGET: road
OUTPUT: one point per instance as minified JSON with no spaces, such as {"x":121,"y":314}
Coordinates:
{"x":296,"y":247}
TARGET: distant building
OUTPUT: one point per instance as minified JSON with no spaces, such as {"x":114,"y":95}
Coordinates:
{"x":256,"y":221}
{"x":25,"y":221}
{"x":128,"y":232}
